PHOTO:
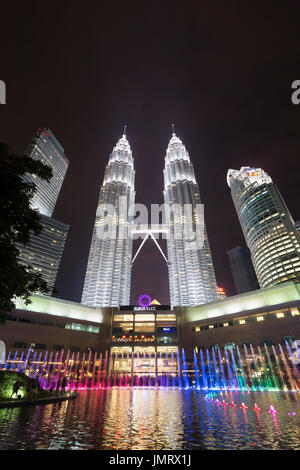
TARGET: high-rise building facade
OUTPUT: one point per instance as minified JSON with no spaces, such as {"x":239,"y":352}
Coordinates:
{"x":297,"y":225}
{"x":46,"y":148}
{"x":108,"y":275}
{"x":267,"y":225}
{"x":45,"y":250}
{"x":243,"y":273}
{"x":191,"y":272}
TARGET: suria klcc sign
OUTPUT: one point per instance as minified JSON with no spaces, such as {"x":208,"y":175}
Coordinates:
{"x":142,"y":308}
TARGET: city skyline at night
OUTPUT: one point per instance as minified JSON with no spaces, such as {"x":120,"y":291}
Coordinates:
{"x":150,"y":247}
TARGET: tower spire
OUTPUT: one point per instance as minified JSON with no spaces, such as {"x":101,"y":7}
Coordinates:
{"x":173,"y":129}
{"x":124,"y":132}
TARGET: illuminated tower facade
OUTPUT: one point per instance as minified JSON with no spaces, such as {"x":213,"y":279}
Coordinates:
{"x":191,"y":272}
{"x":108,"y":274}
{"x":46,"y":148}
{"x":268,"y":227}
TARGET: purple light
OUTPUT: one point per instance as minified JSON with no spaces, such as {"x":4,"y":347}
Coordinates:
{"x":144,"y":300}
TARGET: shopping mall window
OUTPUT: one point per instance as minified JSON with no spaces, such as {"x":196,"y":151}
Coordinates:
{"x":145,"y":317}
{"x":288,"y":339}
{"x":295,"y":311}
{"x":166,"y":335}
{"x":229,"y":346}
{"x":26,"y":320}
{"x":122,"y":328}
{"x":144,"y":338}
{"x":45,"y":323}
{"x":145,"y":327}
{"x":121,"y":339}
{"x":74,"y":349}
{"x":92,"y":329}
{"x":267,"y":342}
{"x":20,"y":344}
{"x":75,"y":326}
{"x":165,"y":317}
{"x":58,"y":347}
{"x":40,"y":346}
{"x":125,"y":317}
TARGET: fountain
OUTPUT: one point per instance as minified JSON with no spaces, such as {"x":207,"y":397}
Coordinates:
{"x":230,"y":369}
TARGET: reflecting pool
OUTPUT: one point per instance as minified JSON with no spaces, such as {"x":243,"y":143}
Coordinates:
{"x":141,"y":419}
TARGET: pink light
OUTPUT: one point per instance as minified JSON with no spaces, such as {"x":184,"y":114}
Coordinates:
{"x":272,"y":409}
{"x":244,"y":406}
{"x":256,"y":408}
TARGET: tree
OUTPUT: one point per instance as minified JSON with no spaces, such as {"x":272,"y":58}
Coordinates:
{"x":17,"y":222}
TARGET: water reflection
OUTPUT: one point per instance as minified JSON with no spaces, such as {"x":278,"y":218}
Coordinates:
{"x":156,"y":419}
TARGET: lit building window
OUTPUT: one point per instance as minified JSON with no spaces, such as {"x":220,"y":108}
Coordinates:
{"x":166,"y":317}
{"x":295,"y":311}
{"x":242,"y":322}
{"x":280,"y":315}
{"x":226,"y":324}
{"x":145,"y":317}
{"x":145,"y":327}
{"x":260,"y":318}
{"x":123,"y":317}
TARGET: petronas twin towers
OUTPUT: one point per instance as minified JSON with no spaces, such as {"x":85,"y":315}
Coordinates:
{"x":191,"y":273}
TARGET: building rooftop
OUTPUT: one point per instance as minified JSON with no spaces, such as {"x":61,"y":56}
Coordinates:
{"x":284,"y":293}
{"x":63,"y":308}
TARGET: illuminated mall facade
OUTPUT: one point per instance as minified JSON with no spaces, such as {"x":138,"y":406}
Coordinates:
{"x":149,"y":333}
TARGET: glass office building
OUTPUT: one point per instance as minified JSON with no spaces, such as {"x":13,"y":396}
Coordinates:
{"x":45,"y":250}
{"x":268,"y":227}
{"x":46,"y":148}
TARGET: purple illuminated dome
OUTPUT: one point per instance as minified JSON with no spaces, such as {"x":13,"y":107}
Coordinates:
{"x":144,"y":300}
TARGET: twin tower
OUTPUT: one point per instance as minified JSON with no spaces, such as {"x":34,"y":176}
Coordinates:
{"x":191,"y":272}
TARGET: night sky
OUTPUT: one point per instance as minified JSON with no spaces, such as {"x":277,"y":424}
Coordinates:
{"x":221,"y":71}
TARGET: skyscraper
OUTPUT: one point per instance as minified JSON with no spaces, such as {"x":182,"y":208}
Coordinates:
{"x":191,"y":272}
{"x":243,"y":273}
{"x":108,"y":274}
{"x":268,"y":227}
{"x":46,"y":249}
{"x":46,"y":148}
